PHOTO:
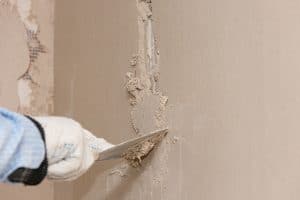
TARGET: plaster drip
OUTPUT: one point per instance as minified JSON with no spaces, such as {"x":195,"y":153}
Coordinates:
{"x":28,"y":86}
{"x":148,"y":102}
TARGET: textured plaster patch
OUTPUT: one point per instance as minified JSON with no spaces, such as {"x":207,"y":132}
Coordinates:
{"x":148,"y":103}
{"x":34,"y":97}
{"x":137,"y":153}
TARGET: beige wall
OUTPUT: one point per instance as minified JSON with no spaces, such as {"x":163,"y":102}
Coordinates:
{"x":91,"y":57}
{"x":229,"y":68}
{"x":30,"y":93}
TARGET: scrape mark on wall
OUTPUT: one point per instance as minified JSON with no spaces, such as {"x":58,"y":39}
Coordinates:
{"x":149,"y":105}
{"x":34,"y":97}
{"x":137,"y":153}
{"x":148,"y":102}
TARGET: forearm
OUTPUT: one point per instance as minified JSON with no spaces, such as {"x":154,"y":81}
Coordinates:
{"x":28,"y":145}
{"x":22,"y":149}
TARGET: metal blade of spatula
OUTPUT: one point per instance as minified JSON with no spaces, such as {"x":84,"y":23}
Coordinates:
{"x":117,"y":151}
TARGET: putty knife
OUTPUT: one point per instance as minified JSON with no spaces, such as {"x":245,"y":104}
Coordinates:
{"x":117,"y":151}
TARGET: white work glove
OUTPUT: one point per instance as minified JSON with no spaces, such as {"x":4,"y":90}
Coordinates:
{"x":71,"y":150}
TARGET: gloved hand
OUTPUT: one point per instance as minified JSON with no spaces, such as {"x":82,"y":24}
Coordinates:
{"x":71,"y":150}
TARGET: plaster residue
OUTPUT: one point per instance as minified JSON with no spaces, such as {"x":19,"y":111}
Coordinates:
{"x":137,"y":153}
{"x":148,"y":103}
{"x":32,"y":95}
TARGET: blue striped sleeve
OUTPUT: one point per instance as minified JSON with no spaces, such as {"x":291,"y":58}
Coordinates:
{"x":21,"y":144}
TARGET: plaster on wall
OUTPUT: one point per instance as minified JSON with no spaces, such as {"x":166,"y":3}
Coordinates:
{"x":97,"y":45}
{"x":32,"y":96}
{"x":148,"y":112}
{"x":137,"y":153}
{"x":147,"y":101}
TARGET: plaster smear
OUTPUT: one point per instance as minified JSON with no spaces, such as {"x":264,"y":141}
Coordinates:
{"x":137,"y":153}
{"x":32,"y":96}
{"x":147,"y":101}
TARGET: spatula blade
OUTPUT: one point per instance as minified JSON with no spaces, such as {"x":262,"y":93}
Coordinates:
{"x":117,"y":151}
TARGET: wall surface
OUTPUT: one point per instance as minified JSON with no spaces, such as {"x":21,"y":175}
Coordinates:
{"x":93,"y":44}
{"x":230,"y":70}
{"x":26,"y":71}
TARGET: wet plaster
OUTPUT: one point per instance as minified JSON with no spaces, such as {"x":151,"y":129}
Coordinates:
{"x":147,"y":101}
{"x":231,"y":72}
{"x":106,"y":80}
{"x":137,"y":153}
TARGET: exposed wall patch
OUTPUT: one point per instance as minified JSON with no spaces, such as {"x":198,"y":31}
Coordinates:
{"x":33,"y":96}
{"x":148,"y":102}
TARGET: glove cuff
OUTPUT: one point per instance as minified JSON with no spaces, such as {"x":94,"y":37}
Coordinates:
{"x":32,"y":176}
